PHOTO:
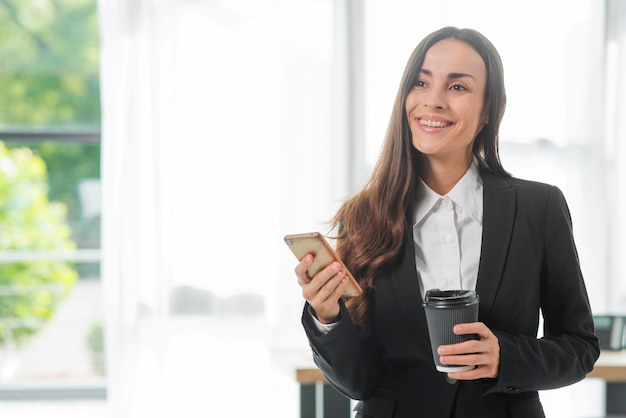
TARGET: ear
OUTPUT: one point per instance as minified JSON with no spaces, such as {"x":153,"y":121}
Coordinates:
{"x":484,"y":121}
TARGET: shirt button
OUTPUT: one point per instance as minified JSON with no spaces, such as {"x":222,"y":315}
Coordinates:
{"x":445,"y":202}
{"x":447,"y":239}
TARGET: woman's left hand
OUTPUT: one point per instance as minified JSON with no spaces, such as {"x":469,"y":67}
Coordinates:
{"x":483,"y":353}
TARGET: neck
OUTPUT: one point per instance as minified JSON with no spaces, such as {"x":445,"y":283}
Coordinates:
{"x":441,"y":175}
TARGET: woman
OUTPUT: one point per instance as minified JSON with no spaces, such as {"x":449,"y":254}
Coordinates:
{"x":440,"y":211}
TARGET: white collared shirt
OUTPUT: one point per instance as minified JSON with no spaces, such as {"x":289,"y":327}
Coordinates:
{"x":447,"y":233}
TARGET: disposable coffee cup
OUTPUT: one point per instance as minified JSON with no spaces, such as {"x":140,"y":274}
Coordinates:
{"x":445,"y":309}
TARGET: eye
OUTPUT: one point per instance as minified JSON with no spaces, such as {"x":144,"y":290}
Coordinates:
{"x":420,"y":83}
{"x":458,"y":87}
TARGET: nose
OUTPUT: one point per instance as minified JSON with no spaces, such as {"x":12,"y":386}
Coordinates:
{"x":434,"y":99}
{"x":433,"y":105}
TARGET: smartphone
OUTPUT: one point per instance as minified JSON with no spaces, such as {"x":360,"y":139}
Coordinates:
{"x":315,"y":243}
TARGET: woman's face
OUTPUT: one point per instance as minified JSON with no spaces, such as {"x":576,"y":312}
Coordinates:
{"x":445,"y":107}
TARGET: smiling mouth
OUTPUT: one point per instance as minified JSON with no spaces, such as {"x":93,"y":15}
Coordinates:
{"x":434,"y":123}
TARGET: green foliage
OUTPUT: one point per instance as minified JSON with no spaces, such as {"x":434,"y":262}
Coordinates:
{"x":95,"y":343}
{"x":68,"y":164}
{"x":30,"y":291}
{"x":49,"y":79}
{"x":49,"y":69}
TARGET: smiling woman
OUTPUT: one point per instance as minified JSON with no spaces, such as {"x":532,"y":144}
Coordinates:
{"x":446,"y":110}
{"x":549,"y":132}
{"x":440,"y":212}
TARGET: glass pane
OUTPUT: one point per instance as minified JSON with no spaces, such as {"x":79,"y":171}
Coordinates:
{"x":50,"y":293}
{"x":50,"y":311}
{"x":49,"y":72}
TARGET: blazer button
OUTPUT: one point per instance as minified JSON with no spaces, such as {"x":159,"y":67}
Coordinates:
{"x":510,"y":390}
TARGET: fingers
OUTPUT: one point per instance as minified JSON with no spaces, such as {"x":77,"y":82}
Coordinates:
{"x":473,"y":328}
{"x":323,"y":285}
{"x":484,"y":353}
{"x":324,"y":290}
{"x":301,"y":270}
{"x":320,"y":290}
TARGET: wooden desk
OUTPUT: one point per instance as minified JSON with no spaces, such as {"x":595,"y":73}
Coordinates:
{"x":611,"y":367}
{"x":318,"y":399}
{"x":310,"y":376}
{"x":316,"y":393}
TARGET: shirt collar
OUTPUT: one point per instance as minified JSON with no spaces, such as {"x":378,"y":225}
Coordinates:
{"x":466,"y":194}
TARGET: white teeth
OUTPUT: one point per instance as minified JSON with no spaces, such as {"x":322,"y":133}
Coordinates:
{"x":433,"y":123}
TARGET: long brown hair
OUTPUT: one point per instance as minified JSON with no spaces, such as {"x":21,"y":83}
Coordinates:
{"x":371,"y":226}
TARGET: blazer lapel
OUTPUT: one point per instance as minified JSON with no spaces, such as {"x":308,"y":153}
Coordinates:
{"x":498,"y":218}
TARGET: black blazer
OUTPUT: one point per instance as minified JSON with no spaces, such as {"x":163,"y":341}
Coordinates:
{"x":529,"y":265}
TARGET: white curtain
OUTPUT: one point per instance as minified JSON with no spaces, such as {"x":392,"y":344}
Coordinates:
{"x":137,"y":184}
{"x":218,"y":138}
{"x":616,"y":147}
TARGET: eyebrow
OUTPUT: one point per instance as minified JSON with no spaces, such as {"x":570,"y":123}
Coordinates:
{"x":451,"y":76}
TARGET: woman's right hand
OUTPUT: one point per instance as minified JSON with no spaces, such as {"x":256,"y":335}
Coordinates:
{"x":324,"y":290}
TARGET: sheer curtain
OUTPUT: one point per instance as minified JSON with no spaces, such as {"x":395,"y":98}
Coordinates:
{"x":137,"y":178}
{"x":616,"y":147}
{"x":218,"y":139}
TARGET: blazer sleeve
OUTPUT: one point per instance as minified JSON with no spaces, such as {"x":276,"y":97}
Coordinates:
{"x":348,"y":357}
{"x":569,"y":347}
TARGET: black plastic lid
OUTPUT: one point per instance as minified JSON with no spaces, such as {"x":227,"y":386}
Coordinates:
{"x":435,"y":298}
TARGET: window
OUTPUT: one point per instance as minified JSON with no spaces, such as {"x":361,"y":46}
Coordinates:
{"x":50,"y":311}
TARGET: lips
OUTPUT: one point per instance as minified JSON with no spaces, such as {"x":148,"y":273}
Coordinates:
{"x":434,"y":123}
